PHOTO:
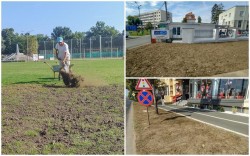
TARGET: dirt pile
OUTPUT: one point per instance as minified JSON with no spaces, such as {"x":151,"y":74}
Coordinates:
{"x":186,"y":60}
{"x":71,"y":80}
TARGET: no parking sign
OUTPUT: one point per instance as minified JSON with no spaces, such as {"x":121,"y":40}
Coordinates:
{"x":145,"y":98}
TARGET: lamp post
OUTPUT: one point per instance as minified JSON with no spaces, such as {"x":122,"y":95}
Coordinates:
{"x":138,"y":6}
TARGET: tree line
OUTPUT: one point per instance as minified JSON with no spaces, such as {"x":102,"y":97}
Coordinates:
{"x":27,"y":42}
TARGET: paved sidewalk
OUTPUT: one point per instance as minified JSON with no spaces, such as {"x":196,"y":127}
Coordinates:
{"x":130,"y":132}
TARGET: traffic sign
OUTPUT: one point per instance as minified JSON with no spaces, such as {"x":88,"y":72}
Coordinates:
{"x":145,"y":98}
{"x":143,"y":84}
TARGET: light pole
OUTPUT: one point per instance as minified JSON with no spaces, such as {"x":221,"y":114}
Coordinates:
{"x":138,"y":6}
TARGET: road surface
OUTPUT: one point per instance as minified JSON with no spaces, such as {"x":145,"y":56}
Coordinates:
{"x":137,"y":41}
{"x":234,"y":123}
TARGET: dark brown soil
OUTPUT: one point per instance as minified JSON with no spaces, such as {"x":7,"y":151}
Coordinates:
{"x":186,"y":60}
{"x":71,"y":80}
{"x":59,"y":120}
{"x":170,"y":133}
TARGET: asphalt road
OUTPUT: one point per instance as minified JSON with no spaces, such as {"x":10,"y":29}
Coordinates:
{"x":230,"y":122}
{"x":137,"y":41}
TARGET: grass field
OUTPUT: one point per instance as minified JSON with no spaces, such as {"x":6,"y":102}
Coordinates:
{"x":95,"y":72}
{"x":40,"y":115}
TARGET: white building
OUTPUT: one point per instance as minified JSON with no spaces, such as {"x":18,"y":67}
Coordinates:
{"x":236,"y":17}
{"x":155,"y":17}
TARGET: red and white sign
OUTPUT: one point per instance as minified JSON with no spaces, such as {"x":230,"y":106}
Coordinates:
{"x":143,"y":84}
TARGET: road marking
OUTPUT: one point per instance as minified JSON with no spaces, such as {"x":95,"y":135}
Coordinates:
{"x":207,"y":123}
{"x":214,"y":117}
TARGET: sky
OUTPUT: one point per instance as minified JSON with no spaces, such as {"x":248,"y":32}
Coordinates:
{"x":43,"y":17}
{"x":180,"y":8}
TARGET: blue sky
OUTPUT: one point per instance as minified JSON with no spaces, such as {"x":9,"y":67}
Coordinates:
{"x":42,"y":17}
{"x":180,"y":8}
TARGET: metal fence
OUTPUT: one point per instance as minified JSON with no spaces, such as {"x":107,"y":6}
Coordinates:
{"x":93,"y":47}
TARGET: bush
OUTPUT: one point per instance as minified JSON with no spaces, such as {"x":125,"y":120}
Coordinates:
{"x":234,"y":109}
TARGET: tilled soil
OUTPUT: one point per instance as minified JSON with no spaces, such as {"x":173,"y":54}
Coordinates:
{"x":186,"y":60}
{"x":59,"y":120}
{"x":170,"y":133}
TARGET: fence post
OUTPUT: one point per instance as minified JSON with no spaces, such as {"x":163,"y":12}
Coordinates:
{"x":44,"y":50}
{"x":117,"y":52}
{"x":84,"y":52}
{"x":80,"y":48}
{"x":90,"y":47}
{"x":53,"y":49}
{"x":111,"y":47}
{"x":100,"y":46}
{"x":71,"y":49}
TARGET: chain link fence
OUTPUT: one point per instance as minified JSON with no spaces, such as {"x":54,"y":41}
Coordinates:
{"x":93,"y":47}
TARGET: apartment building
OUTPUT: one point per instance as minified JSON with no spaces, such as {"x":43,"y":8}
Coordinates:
{"x":237,"y":17}
{"x":155,"y":17}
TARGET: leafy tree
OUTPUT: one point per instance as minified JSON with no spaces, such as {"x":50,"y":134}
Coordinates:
{"x":101,"y":29}
{"x":78,"y":35}
{"x":32,"y":45}
{"x":2,"y":44}
{"x":42,"y":37}
{"x":184,"y":20}
{"x":199,"y":19}
{"x":148,"y":26}
{"x":134,"y":20}
{"x":131,"y":20}
{"x":8,"y":36}
{"x":215,"y":12}
{"x":64,"y":32}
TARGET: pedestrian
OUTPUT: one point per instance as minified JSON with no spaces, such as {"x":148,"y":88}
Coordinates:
{"x":62,"y":54}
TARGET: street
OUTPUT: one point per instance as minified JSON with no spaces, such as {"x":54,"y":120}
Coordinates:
{"x":229,"y":122}
{"x":133,"y":42}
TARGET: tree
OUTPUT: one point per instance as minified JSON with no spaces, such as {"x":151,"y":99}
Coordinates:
{"x":148,"y":26}
{"x":134,"y":20}
{"x":33,"y":45}
{"x":8,"y":36}
{"x":215,"y":12}
{"x":199,"y":19}
{"x":2,"y":44}
{"x":184,"y":20}
{"x":64,"y":32}
{"x":131,"y":20}
{"x":78,"y":35}
{"x":101,"y":29}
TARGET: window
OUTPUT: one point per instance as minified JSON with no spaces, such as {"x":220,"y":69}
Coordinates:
{"x":178,"y":31}
{"x":239,"y":24}
{"x":241,"y":13}
{"x":228,"y":22}
{"x":229,"y":14}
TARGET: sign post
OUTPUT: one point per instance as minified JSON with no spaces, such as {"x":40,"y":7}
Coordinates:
{"x":145,"y":97}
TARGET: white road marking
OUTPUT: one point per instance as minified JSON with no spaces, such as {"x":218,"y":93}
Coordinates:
{"x":207,"y":123}
{"x":215,"y":117}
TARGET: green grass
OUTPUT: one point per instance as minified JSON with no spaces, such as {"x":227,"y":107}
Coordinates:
{"x":102,"y":72}
{"x":135,"y":33}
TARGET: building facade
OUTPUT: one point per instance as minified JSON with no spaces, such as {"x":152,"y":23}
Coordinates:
{"x":227,"y":93}
{"x":155,"y":17}
{"x":237,"y":17}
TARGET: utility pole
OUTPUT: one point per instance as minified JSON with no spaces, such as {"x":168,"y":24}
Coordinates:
{"x":166,"y":8}
{"x":138,"y":6}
